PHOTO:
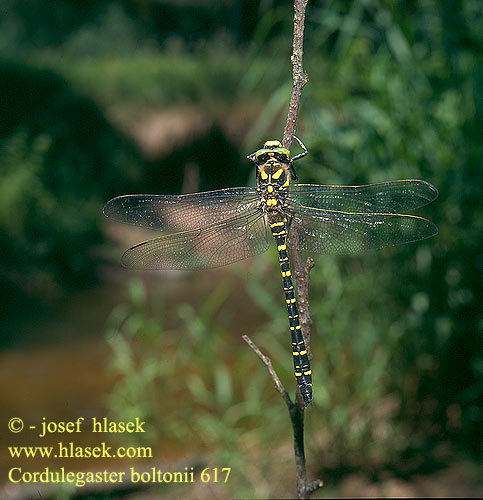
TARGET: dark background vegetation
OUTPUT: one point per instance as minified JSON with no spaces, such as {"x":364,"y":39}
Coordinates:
{"x":103,"y":98}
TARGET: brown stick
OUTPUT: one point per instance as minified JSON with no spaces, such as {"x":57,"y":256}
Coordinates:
{"x":300,"y":79}
{"x":268,"y":363}
{"x":296,"y":410}
{"x":298,"y":76}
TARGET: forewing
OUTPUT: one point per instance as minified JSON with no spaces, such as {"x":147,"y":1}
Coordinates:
{"x":214,"y":246}
{"x":385,"y":197}
{"x":326,"y":231}
{"x":174,"y":213}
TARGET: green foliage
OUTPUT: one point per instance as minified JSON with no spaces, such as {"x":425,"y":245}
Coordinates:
{"x":408,"y":108}
{"x":34,"y":224}
{"x":59,"y":162}
{"x":165,"y":79}
{"x":20,"y":186}
{"x":394,"y":93}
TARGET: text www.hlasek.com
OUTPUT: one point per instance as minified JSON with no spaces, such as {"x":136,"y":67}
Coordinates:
{"x":69,"y":450}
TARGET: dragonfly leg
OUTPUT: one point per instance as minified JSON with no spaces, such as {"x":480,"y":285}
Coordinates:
{"x":303,"y":153}
{"x":297,"y":157}
{"x":252,"y":158}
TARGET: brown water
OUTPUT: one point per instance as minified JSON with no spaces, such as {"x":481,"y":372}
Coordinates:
{"x":61,"y":375}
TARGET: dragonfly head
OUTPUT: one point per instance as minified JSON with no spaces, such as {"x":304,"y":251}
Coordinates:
{"x":271,"y":150}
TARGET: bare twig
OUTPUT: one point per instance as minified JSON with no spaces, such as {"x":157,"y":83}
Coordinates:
{"x":298,"y":76}
{"x":299,"y":81}
{"x":304,"y":489}
{"x":303,"y":297}
{"x":296,"y":412}
{"x":296,"y":409}
{"x":268,"y":363}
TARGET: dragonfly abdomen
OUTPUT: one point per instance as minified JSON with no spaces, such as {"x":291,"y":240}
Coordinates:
{"x":301,"y":362}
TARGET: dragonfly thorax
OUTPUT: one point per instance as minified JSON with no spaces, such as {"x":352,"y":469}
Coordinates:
{"x":273,"y":181}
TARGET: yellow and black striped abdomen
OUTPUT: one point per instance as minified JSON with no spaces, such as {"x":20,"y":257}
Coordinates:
{"x":301,"y":362}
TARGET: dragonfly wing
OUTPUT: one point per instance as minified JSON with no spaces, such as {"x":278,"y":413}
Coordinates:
{"x":214,"y":246}
{"x":174,"y":213}
{"x":326,"y":231}
{"x":385,"y":197}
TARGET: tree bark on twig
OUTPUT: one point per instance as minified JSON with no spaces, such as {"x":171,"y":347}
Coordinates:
{"x":299,"y":78}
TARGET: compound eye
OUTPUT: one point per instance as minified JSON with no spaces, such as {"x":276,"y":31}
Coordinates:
{"x":282,"y":157}
{"x":262,"y":158}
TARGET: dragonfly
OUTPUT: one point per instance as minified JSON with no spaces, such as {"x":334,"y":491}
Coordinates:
{"x":217,"y":228}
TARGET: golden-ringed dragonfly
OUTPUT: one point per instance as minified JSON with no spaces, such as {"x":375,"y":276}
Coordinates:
{"x":216,"y":228}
